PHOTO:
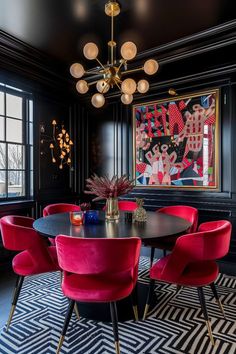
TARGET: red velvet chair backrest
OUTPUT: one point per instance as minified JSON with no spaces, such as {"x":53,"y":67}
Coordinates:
{"x":60,"y":208}
{"x":99,"y":255}
{"x":125,"y":205}
{"x":183,"y":211}
{"x":18,"y":235}
{"x":17,"y":232}
{"x":210,"y":243}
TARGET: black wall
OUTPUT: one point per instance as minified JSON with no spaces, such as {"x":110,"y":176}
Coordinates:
{"x":52,"y":92}
{"x":103,"y":138}
{"x":24,"y":67}
{"x":196,"y":63}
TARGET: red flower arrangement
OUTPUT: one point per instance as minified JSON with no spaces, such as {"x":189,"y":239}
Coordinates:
{"x":105,"y":188}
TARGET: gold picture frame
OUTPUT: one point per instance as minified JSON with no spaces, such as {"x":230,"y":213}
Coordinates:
{"x":176,"y":142}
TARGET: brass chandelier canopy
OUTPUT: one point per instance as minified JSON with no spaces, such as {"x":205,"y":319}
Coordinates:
{"x":113,"y":73}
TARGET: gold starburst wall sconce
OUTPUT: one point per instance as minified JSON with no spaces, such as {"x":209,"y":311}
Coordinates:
{"x":60,"y":144}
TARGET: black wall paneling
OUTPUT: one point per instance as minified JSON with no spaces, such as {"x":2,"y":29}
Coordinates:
{"x":48,"y":81}
{"x":25,"y":67}
{"x":51,"y":178}
{"x":26,"y":62}
{"x":79,"y":126}
{"x":189,"y":65}
{"x":103,"y":137}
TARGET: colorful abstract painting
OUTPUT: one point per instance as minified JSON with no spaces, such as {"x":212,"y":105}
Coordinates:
{"x":176,"y":142}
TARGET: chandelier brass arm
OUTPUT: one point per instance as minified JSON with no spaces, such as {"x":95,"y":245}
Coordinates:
{"x":112,"y":73}
{"x":92,"y":73}
{"x":132,"y":71}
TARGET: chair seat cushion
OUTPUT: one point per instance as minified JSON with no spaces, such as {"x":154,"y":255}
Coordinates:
{"x":23,"y":264}
{"x":97,"y":288}
{"x":195,"y":274}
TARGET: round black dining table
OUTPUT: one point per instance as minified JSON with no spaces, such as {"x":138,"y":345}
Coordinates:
{"x":158,"y":226}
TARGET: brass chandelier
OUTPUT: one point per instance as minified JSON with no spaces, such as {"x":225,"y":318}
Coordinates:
{"x":113,"y":73}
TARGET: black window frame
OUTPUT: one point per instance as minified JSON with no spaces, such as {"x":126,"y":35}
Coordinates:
{"x":27,"y":142}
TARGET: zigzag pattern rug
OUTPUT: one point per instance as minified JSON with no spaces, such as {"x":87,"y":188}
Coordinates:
{"x":175,"y":325}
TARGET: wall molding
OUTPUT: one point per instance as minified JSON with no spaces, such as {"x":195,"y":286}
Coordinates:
{"x":222,"y":30}
{"x":25,"y":59}
{"x":31,"y":63}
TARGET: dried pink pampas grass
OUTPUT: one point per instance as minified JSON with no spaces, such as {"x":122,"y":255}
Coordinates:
{"x":104,"y":188}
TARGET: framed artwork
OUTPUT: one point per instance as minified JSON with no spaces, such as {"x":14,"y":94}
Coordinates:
{"x":176,"y":142}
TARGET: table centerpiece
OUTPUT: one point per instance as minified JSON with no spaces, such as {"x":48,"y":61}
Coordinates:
{"x":110,"y":190}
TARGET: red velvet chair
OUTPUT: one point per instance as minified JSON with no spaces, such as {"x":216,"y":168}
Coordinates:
{"x":183,"y":211}
{"x":193,"y":262}
{"x":98,"y":270}
{"x":60,"y":208}
{"x":125,"y":205}
{"x":35,"y":256}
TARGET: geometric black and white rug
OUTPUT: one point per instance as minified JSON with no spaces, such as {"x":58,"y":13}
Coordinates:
{"x":175,"y":325}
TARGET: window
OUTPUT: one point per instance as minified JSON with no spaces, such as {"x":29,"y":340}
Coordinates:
{"x":16,"y":143}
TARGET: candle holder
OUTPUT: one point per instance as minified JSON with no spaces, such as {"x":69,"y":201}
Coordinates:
{"x":77,"y":218}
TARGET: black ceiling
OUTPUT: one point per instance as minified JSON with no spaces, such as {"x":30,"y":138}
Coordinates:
{"x":61,"y":27}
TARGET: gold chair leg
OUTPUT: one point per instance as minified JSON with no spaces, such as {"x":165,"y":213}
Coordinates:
{"x":135,"y":310}
{"x":117,"y":346}
{"x":60,"y":344}
{"x":76,"y":311}
{"x":210,"y":332}
{"x":145,"y":311}
{"x":216,"y":296}
{"x":10,"y":316}
{"x":221,"y":307}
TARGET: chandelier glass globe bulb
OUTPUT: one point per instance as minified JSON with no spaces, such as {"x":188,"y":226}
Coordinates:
{"x":77,"y":70}
{"x":128,"y":50}
{"x":143,"y":86}
{"x":102,"y":86}
{"x":98,"y":100}
{"x":90,"y":51}
{"x":82,"y":86}
{"x":150,"y":67}
{"x":128,"y":86}
{"x":126,"y":99}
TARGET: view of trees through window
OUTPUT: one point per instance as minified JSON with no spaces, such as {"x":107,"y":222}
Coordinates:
{"x":16,"y":143}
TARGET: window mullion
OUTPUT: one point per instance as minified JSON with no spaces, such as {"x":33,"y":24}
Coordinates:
{"x":6,"y":169}
{"x":26,"y":141}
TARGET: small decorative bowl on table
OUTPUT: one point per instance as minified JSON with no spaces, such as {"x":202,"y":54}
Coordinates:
{"x":91,"y":216}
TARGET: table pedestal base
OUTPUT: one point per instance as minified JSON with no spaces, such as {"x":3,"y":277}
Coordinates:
{"x":101,"y":311}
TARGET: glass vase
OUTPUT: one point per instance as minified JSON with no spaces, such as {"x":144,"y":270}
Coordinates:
{"x":112,"y":209}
